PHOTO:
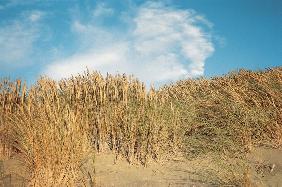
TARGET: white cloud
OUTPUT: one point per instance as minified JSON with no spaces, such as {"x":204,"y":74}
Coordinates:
{"x":106,"y":60}
{"x":161,"y":44}
{"x":161,"y":31}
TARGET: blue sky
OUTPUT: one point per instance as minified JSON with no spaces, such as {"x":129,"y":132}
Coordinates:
{"x":157,"y":41}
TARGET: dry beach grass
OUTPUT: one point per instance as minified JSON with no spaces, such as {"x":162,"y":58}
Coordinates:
{"x":57,"y":126}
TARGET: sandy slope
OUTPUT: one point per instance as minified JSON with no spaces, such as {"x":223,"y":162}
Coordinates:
{"x":173,"y":173}
{"x":267,"y":164}
{"x":266,"y":171}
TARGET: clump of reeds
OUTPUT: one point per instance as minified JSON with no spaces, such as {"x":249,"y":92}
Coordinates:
{"x":122,"y":116}
{"x":58,"y":125}
{"x":51,"y":138}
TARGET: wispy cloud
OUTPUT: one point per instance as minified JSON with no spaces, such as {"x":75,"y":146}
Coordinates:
{"x":15,"y":43}
{"x":160,"y":44}
{"x":12,"y":3}
{"x":17,"y":39}
{"x":102,"y":10}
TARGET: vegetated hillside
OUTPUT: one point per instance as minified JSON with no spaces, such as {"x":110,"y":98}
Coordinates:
{"x":225,"y":114}
{"x":56,"y":127}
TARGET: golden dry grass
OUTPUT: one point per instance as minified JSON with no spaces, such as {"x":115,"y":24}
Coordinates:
{"x":226,"y":113}
{"x":57,"y":126}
